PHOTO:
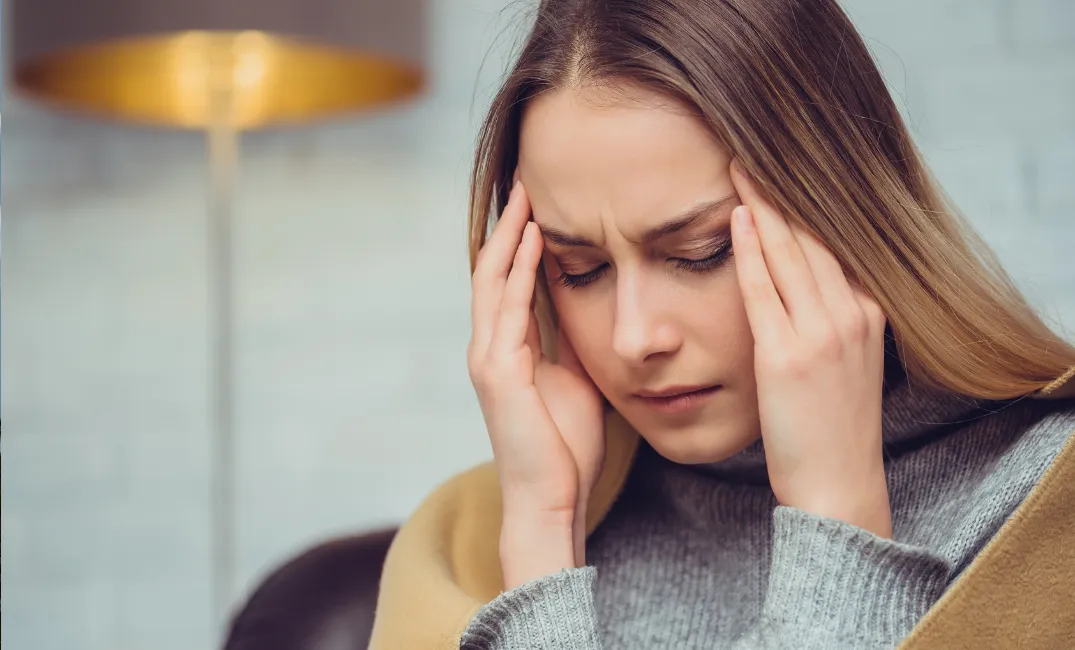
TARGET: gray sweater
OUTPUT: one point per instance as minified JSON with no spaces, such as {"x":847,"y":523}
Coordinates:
{"x":703,"y":557}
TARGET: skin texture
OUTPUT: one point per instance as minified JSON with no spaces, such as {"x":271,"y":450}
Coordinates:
{"x":610,"y":169}
{"x":738,"y":299}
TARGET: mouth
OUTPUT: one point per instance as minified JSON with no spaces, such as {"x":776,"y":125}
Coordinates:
{"x":676,"y":399}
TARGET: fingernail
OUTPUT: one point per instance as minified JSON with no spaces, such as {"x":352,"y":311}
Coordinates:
{"x":745,"y":219}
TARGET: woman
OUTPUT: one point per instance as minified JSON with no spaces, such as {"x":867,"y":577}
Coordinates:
{"x":715,"y":233}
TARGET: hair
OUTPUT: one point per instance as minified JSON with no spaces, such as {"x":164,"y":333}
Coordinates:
{"x":790,"y":89}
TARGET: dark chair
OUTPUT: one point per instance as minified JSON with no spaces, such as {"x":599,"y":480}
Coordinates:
{"x":323,"y":599}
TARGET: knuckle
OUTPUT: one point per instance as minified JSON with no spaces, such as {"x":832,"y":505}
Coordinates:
{"x":477,"y":377}
{"x":857,"y":325}
{"x":797,"y":365}
{"x":478,"y":381}
{"x":874,"y":314}
{"x":498,"y":370}
{"x":488,"y":378}
{"x":788,"y":247}
{"x":753,"y":289}
{"x":823,"y":343}
{"x":513,"y":296}
{"x":475,"y":365}
{"x":779,"y":362}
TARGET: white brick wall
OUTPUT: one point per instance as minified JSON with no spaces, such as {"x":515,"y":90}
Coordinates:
{"x":353,"y":400}
{"x":1045,"y":24}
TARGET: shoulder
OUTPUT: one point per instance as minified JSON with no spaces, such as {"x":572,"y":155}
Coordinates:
{"x":443,"y":563}
{"x":1041,"y":429}
{"x":1013,"y":580}
{"x":1015,"y":446}
{"x":954,"y":493}
{"x":461,"y":496}
{"x":460,"y":516}
{"x":1015,"y":439}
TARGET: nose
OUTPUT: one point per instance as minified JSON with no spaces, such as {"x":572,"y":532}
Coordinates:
{"x":640,"y":331}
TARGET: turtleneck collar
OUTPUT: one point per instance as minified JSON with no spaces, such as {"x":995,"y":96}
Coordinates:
{"x":911,"y":416}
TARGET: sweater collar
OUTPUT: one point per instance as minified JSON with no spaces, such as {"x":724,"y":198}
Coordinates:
{"x":911,"y":416}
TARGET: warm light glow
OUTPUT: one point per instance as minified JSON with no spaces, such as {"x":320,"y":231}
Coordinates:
{"x":171,"y":79}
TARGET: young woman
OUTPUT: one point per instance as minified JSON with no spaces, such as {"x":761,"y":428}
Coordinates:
{"x":715,"y":232}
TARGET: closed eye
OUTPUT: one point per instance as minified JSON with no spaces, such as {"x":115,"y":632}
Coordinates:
{"x":708,"y":263}
{"x":575,"y":281}
{"x":713,"y":261}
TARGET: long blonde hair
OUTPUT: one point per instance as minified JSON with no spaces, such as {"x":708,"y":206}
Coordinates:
{"x":789,"y":87}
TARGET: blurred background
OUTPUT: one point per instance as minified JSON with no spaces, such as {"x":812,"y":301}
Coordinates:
{"x":351,"y":307}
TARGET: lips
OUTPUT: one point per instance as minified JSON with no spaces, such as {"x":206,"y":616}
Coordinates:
{"x":673,"y":391}
{"x":677,"y":401}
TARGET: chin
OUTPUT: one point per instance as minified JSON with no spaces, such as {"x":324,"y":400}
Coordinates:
{"x":705,"y":441}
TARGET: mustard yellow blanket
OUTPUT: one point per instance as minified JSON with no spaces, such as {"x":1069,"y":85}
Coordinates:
{"x":1018,"y":593}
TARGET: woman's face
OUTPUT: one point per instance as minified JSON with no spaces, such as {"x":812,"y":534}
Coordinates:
{"x":634,"y":197}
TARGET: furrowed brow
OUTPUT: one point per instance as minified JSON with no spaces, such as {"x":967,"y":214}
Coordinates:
{"x":670,"y":227}
{"x":689,"y":218}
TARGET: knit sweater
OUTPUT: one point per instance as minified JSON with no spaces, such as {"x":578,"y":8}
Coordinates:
{"x":704,"y":557}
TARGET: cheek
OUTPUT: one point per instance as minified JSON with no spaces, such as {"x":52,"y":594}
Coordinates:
{"x":717,"y":321}
{"x":587,"y":321}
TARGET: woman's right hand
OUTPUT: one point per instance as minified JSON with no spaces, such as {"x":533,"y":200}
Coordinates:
{"x":545,"y":420}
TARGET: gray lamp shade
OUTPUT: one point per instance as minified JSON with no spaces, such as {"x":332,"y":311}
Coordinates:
{"x":176,"y":62}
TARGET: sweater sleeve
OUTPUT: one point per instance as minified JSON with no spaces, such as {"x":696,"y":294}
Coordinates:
{"x":556,"y":611}
{"x":833,"y":585}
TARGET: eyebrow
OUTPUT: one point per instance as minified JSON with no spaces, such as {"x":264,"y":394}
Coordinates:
{"x":672,"y":226}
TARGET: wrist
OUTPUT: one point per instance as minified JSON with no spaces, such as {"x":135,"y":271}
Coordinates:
{"x":866,"y":507}
{"x":535,"y":545}
{"x":579,"y":535}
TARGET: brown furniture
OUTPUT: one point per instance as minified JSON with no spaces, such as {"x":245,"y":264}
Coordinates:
{"x":323,"y":599}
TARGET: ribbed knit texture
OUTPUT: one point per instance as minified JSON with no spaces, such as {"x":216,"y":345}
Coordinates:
{"x":566,"y":598}
{"x":704,"y":557}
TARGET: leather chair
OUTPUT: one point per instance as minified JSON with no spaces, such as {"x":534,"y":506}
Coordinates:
{"x":323,"y":599}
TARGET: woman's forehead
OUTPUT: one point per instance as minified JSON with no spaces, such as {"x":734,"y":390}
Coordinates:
{"x":583,"y":162}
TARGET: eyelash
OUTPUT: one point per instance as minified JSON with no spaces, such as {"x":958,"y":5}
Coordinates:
{"x":717,"y":259}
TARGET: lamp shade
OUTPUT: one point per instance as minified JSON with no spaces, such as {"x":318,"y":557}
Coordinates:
{"x":164,"y":61}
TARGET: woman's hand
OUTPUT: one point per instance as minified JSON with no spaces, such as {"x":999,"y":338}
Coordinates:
{"x":545,"y":420}
{"x":819,"y":362}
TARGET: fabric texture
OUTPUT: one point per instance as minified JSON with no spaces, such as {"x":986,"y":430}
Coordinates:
{"x":441,"y":585}
{"x":702,"y":557}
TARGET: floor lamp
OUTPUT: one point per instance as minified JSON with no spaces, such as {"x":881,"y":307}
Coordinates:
{"x":223,"y":67}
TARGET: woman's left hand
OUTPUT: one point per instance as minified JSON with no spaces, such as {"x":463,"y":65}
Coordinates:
{"x":819,"y":364}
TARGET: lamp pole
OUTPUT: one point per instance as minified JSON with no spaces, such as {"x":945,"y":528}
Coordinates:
{"x":222,"y":67}
{"x":222,"y":140}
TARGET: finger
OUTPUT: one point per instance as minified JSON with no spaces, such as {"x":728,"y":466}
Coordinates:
{"x":515,"y":307}
{"x":836,"y":294}
{"x":565,"y":355}
{"x":768,"y":319}
{"x":533,"y":337}
{"x":494,"y":263}
{"x":788,"y":268}
{"x":875,"y":315}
